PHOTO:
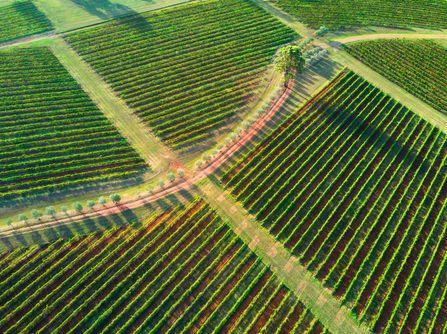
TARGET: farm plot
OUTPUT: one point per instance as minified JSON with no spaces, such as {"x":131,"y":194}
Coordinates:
{"x":52,"y":136}
{"x":418,"y":66}
{"x":183,"y":271}
{"x":341,"y":14}
{"x":354,"y":184}
{"x":21,"y":19}
{"x":187,"y":71}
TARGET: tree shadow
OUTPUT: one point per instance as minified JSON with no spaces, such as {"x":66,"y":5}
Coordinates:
{"x":70,"y":230}
{"x":326,"y":68}
{"x":90,"y":225}
{"x":105,"y":10}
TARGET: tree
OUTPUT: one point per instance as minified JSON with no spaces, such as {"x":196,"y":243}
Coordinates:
{"x":116,"y":198}
{"x":78,"y":207}
{"x":289,"y":60}
{"x":36,"y":214}
{"x":64,"y":209}
{"x":23,"y":217}
{"x":9,"y":223}
{"x":171,"y":176}
{"x":181,"y":173}
{"x":161,"y":183}
{"x":199,"y":164}
{"x":321,"y":31}
{"x":102,"y":201}
{"x":91,"y":204}
{"x":50,"y":211}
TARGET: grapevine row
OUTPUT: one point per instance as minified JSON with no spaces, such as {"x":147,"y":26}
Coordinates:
{"x":184,"y":270}
{"x":188,"y":71}
{"x":52,"y":136}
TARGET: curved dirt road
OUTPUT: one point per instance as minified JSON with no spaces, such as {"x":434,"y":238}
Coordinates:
{"x":184,"y":184}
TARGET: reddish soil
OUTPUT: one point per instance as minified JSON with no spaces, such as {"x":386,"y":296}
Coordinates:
{"x":409,"y":263}
{"x":364,"y":251}
{"x":388,"y":253}
{"x":363,"y":212}
{"x":222,"y":294}
{"x":344,"y":204}
{"x":440,"y":320}
{"x":179,"y":185}
{"x":426,"y":285}
{"x":281,"y":129}
{"x":180,"y":309}
{"x":22,"y":284}
{"x":26,"y":262}
{"x":233,"y":319}
{"x":344,"y":176}
{"x":172,"y":285}
{"x":328,"y":121}
{"x":395,"y":199}
{"x":292,"y":319}
{"x":271,"y":307}
{"x":105,"y":290}
{"x":317,"y":328}
{"x":68,"y":299}
{"x":67,"y":272}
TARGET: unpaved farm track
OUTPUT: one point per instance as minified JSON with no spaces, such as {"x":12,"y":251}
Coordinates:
{"x":27,"y":39}
{"x":369,"y":37}
{"x":184,"y":184}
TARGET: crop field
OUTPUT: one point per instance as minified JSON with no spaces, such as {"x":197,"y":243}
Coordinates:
{"x":341,"y":14}
{"x":223,"y":166}
{"x":354,"y":184}
{"x":187,"y":71}
{"x":21,"y":19}
{"x":52,"y":136}
{"x":418,"y":66}
{"x":182,"y":271}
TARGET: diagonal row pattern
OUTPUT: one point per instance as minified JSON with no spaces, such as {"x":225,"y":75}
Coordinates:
{"x":354,"y":184}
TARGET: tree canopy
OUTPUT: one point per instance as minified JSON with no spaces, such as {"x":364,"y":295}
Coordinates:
{"x":289,"y":60}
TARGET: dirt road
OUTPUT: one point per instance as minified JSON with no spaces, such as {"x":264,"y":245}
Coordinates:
{"x":182,"y":184}
{"x":369,"y":37}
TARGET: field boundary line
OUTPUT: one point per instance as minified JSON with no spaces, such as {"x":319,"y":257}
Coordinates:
{"x":307,"y":289}
{"x":285,"y":18}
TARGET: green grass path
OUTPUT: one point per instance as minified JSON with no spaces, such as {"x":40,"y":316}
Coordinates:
{"x":435,"y":35}
{"x":155,"y":153}
{"x":309,"y":290}
{"x":285,"y":18}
